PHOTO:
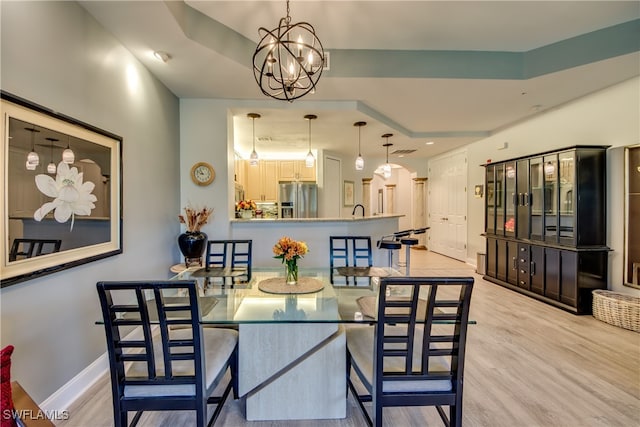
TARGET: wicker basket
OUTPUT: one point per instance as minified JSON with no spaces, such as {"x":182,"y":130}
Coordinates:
{"x":617,"y":309}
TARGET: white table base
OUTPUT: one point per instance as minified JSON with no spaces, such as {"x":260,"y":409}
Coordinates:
{"x":292,"y":371}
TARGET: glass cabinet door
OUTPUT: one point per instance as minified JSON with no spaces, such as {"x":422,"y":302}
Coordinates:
{"x":499,"y":197}
{"x":566,"y":168}
{"x":551,"y":172}
{"x":490,"y":218}
{"x":536,"y":198}
{"x":510,"y":199}
{"x":523,"y":197}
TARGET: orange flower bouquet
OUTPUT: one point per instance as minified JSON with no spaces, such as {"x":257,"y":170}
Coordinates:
{"x":289,"y":251}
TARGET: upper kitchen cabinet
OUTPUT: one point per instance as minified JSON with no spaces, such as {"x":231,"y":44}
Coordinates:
{"x":295,"y":170}
{"x":262,"y":181}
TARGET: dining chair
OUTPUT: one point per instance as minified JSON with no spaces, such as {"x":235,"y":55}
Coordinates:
{"x":28,"y":248}
{"x":350,"y":256}
{"x":414,"y":353}
{"x":157,"y":367}
{"x":232,"y":258}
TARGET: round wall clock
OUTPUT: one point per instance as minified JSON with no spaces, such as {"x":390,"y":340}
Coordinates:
{"x":202,"y":173}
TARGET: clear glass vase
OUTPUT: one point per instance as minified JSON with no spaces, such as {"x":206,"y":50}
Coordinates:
{"x":291,"y":269}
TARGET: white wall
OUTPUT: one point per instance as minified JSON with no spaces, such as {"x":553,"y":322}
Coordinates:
{"x":55,"y":54}
{"x":608,"y":117}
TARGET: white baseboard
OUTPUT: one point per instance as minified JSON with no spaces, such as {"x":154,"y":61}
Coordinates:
{"x":62,"y":398}
{"x":66,"y":395}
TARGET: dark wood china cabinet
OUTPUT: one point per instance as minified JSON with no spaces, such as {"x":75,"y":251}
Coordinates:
{"x":545,"y":225}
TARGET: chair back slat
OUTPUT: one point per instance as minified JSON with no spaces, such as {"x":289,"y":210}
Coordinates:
{"x":408,"y":341}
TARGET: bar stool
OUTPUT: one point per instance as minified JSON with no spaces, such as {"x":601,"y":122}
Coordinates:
{"x":391,"y":244}
{"x":408,"y":242}
{"x":399,"y":235}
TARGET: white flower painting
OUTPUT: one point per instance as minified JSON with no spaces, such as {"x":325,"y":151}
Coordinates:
{"x":70,"y":195}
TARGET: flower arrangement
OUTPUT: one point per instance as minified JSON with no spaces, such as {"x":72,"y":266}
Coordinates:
{"x":194,"y":219}
{"x":290,"y":251}
{"x":246,"y":205}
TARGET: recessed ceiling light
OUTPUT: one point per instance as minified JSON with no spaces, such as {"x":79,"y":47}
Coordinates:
{"x":429,"y":143}
{"x":162,"y":56}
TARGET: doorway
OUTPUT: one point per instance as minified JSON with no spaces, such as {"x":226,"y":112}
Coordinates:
{"x":331,"y":201}
{"x":448,"y":205}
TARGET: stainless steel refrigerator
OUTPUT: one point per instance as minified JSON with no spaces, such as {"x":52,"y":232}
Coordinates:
{"x":298,"y":200}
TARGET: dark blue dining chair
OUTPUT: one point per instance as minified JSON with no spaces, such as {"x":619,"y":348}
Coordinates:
{"x":414,"y":353}
{"x":169,"y":362}
{"x":231,"y":258}
{"x":350,"y":256}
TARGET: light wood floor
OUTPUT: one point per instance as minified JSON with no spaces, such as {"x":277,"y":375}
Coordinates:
{"x":528,"y":364}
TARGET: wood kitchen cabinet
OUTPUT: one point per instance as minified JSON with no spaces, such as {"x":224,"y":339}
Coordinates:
{"x":545,"y":225}
{"x":262,"y":181}
{"x":295,"y":170}
{"x":240,"y":171}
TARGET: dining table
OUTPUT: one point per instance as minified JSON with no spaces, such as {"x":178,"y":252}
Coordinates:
{"x":292,"y":342}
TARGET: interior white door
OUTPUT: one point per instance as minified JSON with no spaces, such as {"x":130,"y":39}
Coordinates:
{"x":332,"y":188}
{"x":448,"y":205}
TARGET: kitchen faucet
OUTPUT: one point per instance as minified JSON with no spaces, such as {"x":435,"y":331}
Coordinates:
{"x":353,"y":213}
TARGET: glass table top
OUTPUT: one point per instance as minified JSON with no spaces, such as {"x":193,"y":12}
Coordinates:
{"x":223,"y":303}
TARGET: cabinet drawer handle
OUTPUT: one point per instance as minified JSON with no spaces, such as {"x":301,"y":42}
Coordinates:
{"x":532,"y":268}
{"x":522,"y":282}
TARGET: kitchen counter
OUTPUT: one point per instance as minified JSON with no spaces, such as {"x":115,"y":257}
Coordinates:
{"x":308,"y":220}
{"x":315,"y":232}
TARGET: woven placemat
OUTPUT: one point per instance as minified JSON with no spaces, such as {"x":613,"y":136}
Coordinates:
{"x":277,"y":285}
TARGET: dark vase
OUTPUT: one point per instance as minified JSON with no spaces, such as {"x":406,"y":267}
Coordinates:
{"x":192,"y":245}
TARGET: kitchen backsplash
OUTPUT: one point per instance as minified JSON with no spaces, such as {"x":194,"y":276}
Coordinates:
{"x":269,"y":209}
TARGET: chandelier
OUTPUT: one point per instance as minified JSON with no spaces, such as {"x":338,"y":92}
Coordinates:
{"x":288,"y":61}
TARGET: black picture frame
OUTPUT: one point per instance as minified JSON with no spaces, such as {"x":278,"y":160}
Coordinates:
{"x":98,"y":153}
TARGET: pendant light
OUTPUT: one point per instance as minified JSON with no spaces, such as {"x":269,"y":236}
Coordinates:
{"x":288,"y":61}
{"x":51,"y":167}
{"x":67,"y":155}
{"x":386,"y":169}
{"x":253,"y":159}
{"x":310,"y":160}
{"x":33,"y":159}
{"x":359,"y":159}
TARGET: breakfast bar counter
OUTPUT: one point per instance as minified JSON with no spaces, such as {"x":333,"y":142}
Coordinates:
{"x":315,"y":232}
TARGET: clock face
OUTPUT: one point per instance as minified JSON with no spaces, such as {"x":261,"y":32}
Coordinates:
{"x":202,"y":173}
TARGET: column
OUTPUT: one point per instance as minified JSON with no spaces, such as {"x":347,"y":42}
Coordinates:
{"x":366,"y":195}
{"x":420,"y":209}
{"x":391,"y":189}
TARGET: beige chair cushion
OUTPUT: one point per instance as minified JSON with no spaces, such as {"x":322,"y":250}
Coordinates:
{"x":361,"y":345}
{"x":218,"y":346}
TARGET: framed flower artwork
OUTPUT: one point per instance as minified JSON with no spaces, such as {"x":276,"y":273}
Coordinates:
{"x":61,"y":191}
